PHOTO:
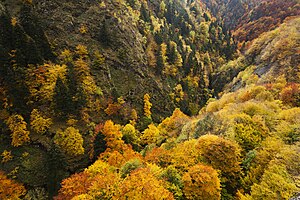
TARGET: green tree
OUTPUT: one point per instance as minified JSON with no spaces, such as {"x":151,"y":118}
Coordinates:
{"x":62,"y":99}
{"x":131,"y":136}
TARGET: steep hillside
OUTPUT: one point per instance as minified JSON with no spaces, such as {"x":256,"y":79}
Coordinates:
{"x":273,"y":55}
{"x":247,"y":19}
{"x":134,"y":42}
{"x":265,"y":16}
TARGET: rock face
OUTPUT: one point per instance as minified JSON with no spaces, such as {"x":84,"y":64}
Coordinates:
{"x":45,"y":28}
{"x":26,"y":36}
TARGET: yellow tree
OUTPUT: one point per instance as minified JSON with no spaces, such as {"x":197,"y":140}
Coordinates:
{"x":276,"y":183}
{"x":221,"y":154}
{"x":6,"y":156}
{"x":38,"y":123}
{"x":70,"y":141}
{"x":173,"y":125}
{"x":201,"y":182}
{"x":83,"y":197}
{"x":42,"y":81}
{"x":185,"y":155}
{"x":19,"y":132}
{"x":142,"y":184}
{"x":147,"y":105}
{"x":150,"y":51}
{"x":104,"y":180}
{"x":118,"y":158}
{"x":150,"y":135}
{"x":105,"y":186}
{"x":134,"y":117}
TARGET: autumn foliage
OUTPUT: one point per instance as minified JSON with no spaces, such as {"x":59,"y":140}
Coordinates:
{"x":201,"y":182}
{"x":10,"y":189}
{"x":70,"y":141}
{"x":142,"y":184}
{"x":147,"y":105}
{"x":18,"y":128}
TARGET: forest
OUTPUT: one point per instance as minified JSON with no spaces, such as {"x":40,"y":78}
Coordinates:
{"x":150,"y":99}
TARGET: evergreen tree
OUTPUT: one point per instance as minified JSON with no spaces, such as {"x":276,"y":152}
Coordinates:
{"x":62,"y":99}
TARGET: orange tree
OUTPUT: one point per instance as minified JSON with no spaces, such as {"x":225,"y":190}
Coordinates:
{"x":10,"y":189}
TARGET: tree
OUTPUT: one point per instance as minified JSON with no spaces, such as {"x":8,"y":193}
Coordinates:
{"x":70,"y":141}
{"x":174,"y":56}
{"x":38,"y":123}
{"x":130,"y":166}
{"x":145,"y":16}
{"x":201,"y":182}
{"x":113,"y":135}
{"x":247,"y":131}
{"x":290,"y":94}
{"x":130,"y":136}
{"x":204,"y":32}
{"x":104,"y":180}
{"x":105,"y":186}
{"x":147,"y":105}
{"x":6,"y":156}
{"x":62,"y":99}
{"x":185,"y":155}
{"x":75,"y":185}
{"x":10,"y":189}
{"x":172,"y":125}
{"x":142,"y":184}
{"x":162,"y":8}
{"x":42,"y":81}
{"x":150,"y":52}
{"x":276,"y":183}
{"x":119,"y":158}
{"x":162,"y":58}
{"x":174,"y":181}
{"x":150,"y":135}
{"x":83,"y":197}
{"x":133,"y":116}
{"x":220,"y":153}
{"x":99,"y":181}
{"x":223,"y":155}
{"x":159,"y":156}
{"x":17,"y":126}
{"x":99,"y":167}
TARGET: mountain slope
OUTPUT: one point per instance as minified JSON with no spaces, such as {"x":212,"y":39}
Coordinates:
{"x":86,"y":88}
{"x":272,"y":55}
